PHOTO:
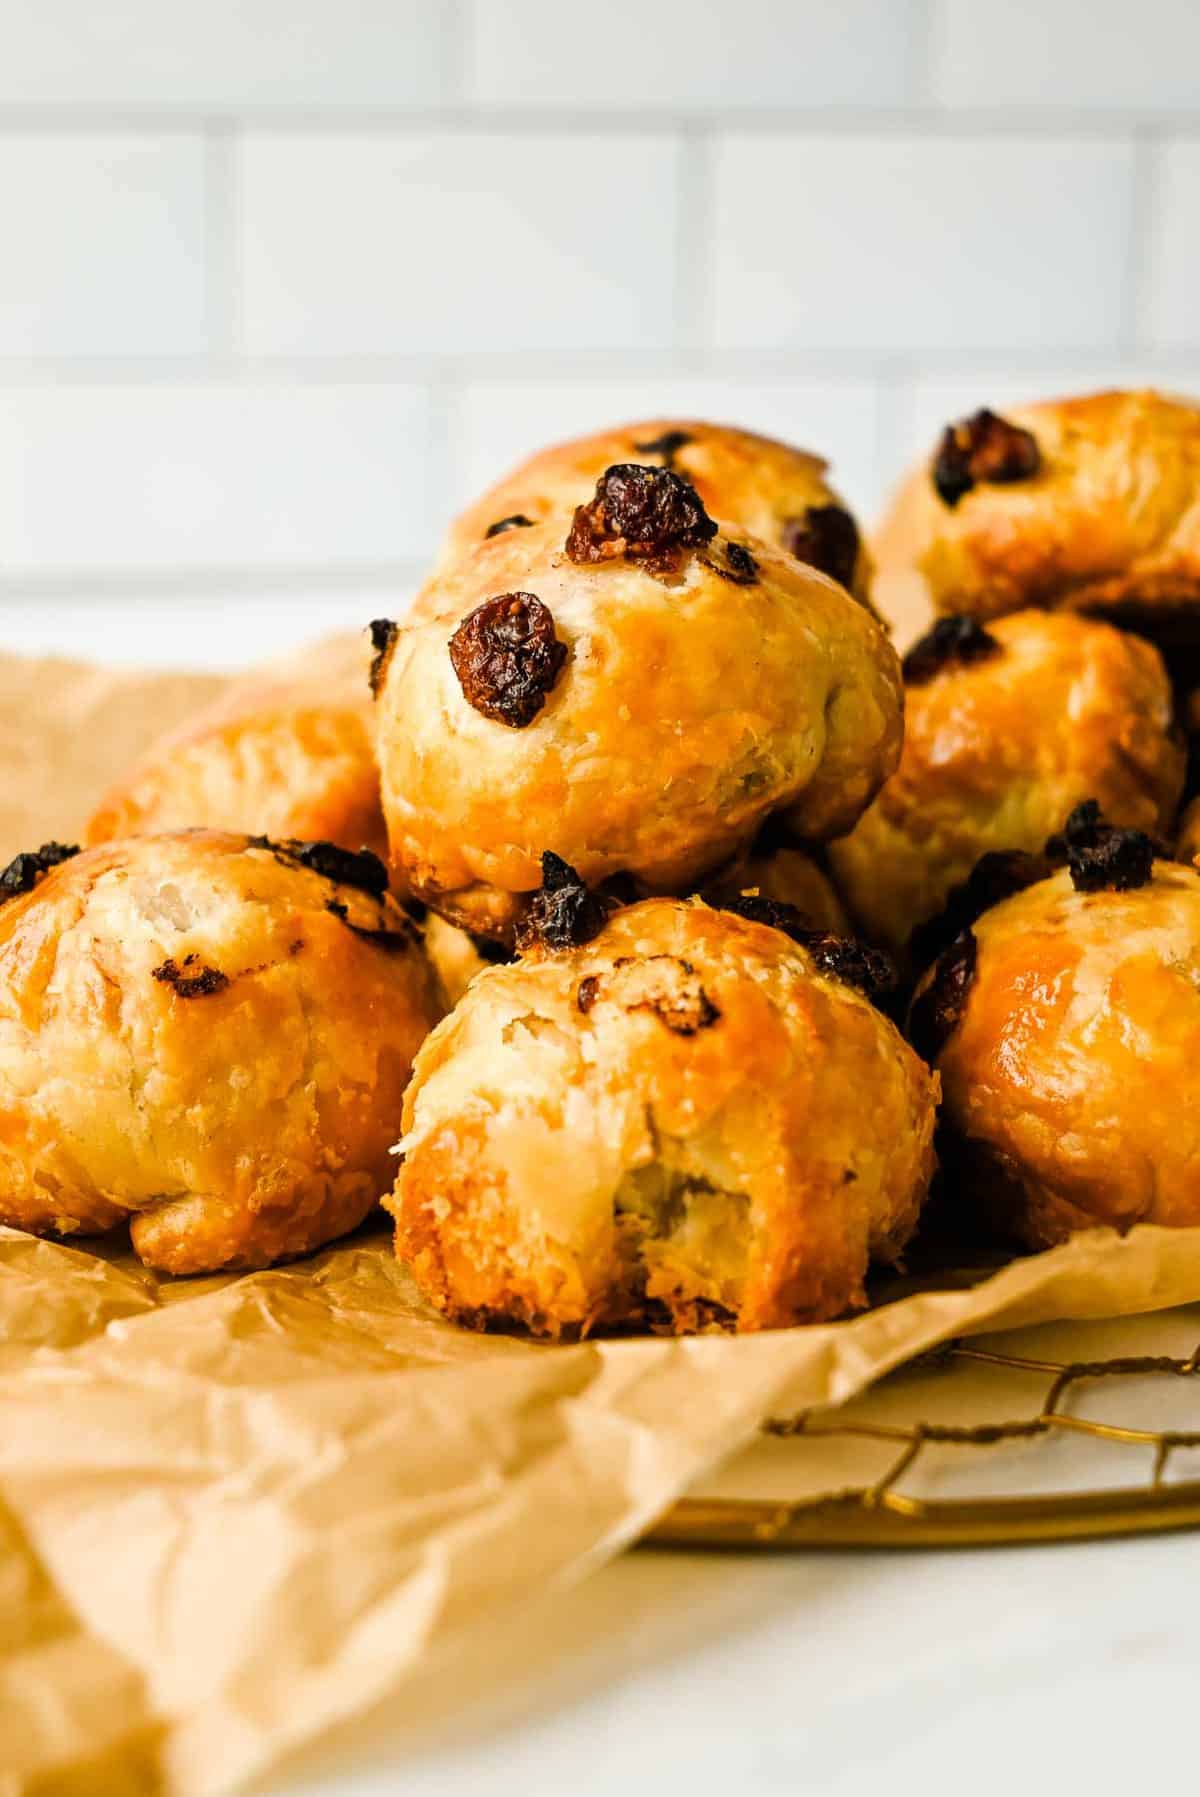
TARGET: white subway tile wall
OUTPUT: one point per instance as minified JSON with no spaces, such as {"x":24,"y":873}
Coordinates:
{"x":283,"y":281}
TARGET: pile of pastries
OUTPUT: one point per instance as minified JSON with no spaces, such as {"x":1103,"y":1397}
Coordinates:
{"x":632,"y":921}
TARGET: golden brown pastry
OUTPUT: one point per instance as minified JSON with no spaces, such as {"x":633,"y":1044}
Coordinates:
{"x":285,"y":751}
{"x":769,"y":488}
{"x":1007,"y":727}
{"x":789,"y":877}
{"x":1187,"y":845}
{"x":688,"y":1119}
{"x":638,"y":703}
{"x":1088,"y":504}
{"x":207,"y":1034}
{"x":457,"y":956}
{"x":1065,"y":1023}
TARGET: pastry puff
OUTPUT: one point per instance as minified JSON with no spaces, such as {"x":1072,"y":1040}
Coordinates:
{"x":769,"y":488}
{"x":206,"y":1034}
{"x":1089,"y":504}
{"x":286,"y":750}
{"x":638,"y":723}
{"x":1007,"y":727}
{"x":690,"y":1120}
{"x":1065,"y":1024}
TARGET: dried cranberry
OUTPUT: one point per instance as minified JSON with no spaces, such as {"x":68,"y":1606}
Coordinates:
{"x":667,"y":446}
{"x":826,"y":537}
{"x":200,"y":984}
{"x":383,"y":640}
{"x":565,"y":913}
{"x":25,"y":870}
{"x":738,"y":565}
{"x":1099,"y":855}
{"x":995,"y":877}
{"x":346,"y":867}
{"x":855,"y":963}
{"x":983,"y":447}
{"x":937,"y":1010}
{"x":648,"y":515}
{"x":507,"y":658}
{"x":957,"y":639}
{"x":665,"y":985}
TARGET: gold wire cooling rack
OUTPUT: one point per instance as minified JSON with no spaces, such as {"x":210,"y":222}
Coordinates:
{"x":882,"y":1514}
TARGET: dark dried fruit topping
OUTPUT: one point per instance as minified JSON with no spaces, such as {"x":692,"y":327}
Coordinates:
{"x":199,"y":984}
{"x":995,"y":877}
{"x":738,"y":564}
{"x":362,"y":870}
{"x":383,"y":640}
{"x":937,"y":1009}
{"x":518,"y":521}
{"x":507,"y":658}
{"x":25,"y":870}
{"x":958,"y":639}
{"x":667,"y":446}
{"x":826,"y":537}
{"x":983,"y":447}
{"x":855,"y":963}
{"x":649,"y":515}
{"x":494,"y":953}
{"x":565,"y":913}
{"x":1099,"y":855}
{"x":392,"y":942}
{"x":665,"y":985}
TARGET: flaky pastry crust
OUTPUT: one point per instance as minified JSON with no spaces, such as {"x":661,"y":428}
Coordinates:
{"x":285,"y":751}
{"x":1072,"y":1080}
{"x":1110,"y":523}
{"x":684,"y":1122}
{"x":764,"y":486}
{"x":999,"y":750}
{"x":684,"y":712}
{"x":203,"y":1035}
{"x":790,"y":877}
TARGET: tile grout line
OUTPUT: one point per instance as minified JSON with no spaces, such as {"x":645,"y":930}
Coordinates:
{"x":826,"y":365}
{"x":1044,"y":122}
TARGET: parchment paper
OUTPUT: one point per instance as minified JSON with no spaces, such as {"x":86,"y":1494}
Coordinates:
{"x":235,"y":1513}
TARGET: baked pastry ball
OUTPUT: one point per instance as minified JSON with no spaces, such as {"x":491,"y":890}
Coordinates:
{"x":207,"y":1034}
{"x":689,"y":1119}
{"x":639,"y":702}
{"x":1065,"y":1024}
{"x":771,"y":489}
{"x":1007,"y":727}
{"x":1088,"y":504}
{"x":286,"y":751}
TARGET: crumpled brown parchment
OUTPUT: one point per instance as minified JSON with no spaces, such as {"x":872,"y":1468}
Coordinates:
{"x":236,"y":1512}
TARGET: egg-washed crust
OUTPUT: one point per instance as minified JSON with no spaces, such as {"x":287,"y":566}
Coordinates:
{"x":771,"y":489}
{"x":686,"y":713}
{"x":1071,"y":1073}
{"x":997,"y":752}
{"x":1109,"y":524}
{"x":791,"y":877}
{"x":204,"y":1035}
{"x":684,"y":1123}
{"x":286,"y":751}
